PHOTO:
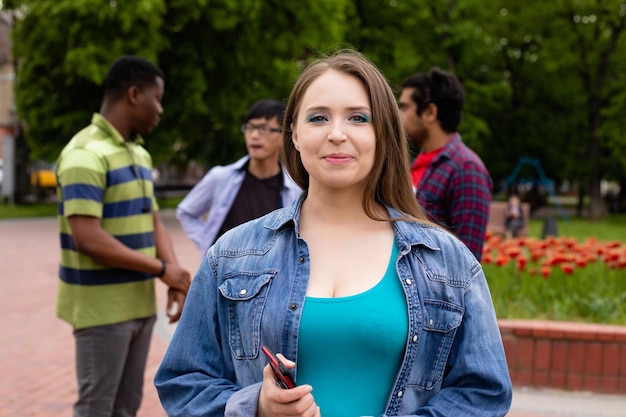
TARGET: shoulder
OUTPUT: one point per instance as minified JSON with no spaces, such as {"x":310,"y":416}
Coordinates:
{"x":256,"y":236}
{"x":434,"y":245}
{"x":93,"y":140}
{"x":464,"y":157}
{"x":82,"y":151}
{"x":221,"y":172}
{"x":143,"y":152}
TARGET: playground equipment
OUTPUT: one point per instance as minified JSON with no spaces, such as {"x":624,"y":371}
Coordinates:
{"x":543,"y":180}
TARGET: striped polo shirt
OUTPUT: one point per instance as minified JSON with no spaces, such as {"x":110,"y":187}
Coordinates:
{"x":101,"y":175}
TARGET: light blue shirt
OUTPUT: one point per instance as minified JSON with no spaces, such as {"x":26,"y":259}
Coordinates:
{"x":203,"y":210}
{"x":250,"y":290}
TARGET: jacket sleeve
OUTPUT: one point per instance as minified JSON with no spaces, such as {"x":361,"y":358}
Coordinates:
{"x":195,"y":378}
{"x":196,"y":204}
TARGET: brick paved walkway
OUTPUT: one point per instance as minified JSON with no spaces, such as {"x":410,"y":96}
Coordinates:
{"x":37,"y":349}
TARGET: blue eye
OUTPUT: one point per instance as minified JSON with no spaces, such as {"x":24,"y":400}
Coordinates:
{"x":359,"y":118}
{"x":316,"y":118}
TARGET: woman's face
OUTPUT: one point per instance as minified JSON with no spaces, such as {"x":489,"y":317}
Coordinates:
{"x":333,"y":132}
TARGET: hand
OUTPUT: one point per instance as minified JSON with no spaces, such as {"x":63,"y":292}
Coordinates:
{"x":174,"y":298}
{"x":177,"y":278}
{"x":278,"y":402}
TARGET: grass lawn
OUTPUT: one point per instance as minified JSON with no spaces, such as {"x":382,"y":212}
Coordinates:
{"x":612,"y":227}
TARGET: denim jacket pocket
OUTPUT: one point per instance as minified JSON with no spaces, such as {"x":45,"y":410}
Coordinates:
{"x":246,"y":294}
{"x":441,"y":319}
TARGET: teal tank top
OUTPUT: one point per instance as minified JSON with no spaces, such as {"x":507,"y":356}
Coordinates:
{"x":350,"y":349}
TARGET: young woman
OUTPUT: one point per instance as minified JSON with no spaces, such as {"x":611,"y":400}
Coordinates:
{"x":379,"y":311}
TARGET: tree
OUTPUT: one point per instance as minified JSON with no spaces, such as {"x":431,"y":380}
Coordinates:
{"x":594,"y":32}
{"x":63,"y":49}
{"x":542,"y":80}
{"x":218,"y":57}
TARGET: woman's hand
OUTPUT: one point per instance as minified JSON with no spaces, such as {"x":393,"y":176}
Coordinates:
{"x":275,"y":401}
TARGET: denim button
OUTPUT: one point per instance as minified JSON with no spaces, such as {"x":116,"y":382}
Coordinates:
{"x":293,"y":306}
{"x":408,"y":282}
{"x":243,"y":292}
{"x":302,"y":259}
{"x":414,"y":338}
{"x":400,"y":394}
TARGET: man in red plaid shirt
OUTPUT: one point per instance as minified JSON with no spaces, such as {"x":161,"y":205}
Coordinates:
{"x":451,"y":182}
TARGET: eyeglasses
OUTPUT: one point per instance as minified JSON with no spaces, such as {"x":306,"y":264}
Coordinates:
{"x":263,"y":129}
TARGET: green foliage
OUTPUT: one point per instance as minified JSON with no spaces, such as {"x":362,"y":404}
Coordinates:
{"x":542,"y":80}
{"x":63,"y":49}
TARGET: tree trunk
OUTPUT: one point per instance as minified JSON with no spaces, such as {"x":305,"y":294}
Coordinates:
{"x":597,"y":207}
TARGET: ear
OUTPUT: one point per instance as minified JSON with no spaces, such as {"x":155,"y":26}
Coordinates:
{"x":430,"y":114}
{"x":294,"y":138}
{"x":133,"y":94}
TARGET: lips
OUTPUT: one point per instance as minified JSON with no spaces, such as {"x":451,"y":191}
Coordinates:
{"x":338,"y":158}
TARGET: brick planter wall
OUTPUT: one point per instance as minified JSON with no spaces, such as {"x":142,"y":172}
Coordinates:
{"x":567,"y":356}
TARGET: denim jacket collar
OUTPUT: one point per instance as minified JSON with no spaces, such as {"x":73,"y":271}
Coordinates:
{"x":407,"y":236}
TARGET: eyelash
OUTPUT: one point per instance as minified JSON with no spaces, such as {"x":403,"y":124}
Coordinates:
{"x":320,"y":118}
{"x":364,"y":118}
{"x":316,"y":118}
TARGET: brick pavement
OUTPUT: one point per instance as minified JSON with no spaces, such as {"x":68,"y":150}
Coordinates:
{"x":36,"y":349}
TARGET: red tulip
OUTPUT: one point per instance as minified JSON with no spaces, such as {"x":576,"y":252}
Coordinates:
{"x":567,"y":268}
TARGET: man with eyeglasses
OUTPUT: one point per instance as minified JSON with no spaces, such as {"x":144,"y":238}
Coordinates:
{"x":451,"y":182}
{"x":246,"y":189}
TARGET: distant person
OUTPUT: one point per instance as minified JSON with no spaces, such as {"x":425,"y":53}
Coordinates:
{"x":379,"y":311}
{"x":515,"y":221}
{"x":113,"y":243}
{"x":450,"y":180}
{"x":249,"y":188}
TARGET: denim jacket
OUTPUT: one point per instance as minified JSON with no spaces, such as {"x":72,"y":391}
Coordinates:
{"x":250,"y":289}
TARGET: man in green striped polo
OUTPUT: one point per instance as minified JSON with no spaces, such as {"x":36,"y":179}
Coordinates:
{"x":113,"y":243}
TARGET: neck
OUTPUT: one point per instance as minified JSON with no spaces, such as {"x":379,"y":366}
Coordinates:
{"x":117,"y":119}
{"x":437,"y":139}
{"x":263,"y":168}
{"x":340,"y":209}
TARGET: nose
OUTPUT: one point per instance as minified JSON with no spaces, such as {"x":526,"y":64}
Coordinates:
{"x":336,"y":133}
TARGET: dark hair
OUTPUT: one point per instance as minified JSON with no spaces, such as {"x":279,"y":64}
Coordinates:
{"x":444,"y":90}
{"x":130,"y":71}
{"x":389,"y":181}
{"x":267,"y":109}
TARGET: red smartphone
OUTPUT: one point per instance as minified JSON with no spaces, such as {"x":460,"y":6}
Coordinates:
{"x":283,"y":376}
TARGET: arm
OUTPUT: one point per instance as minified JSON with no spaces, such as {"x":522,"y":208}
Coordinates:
{"x":197,"y":376}
{"x":165,"y":251}
{"x":469,"y":206}
{"x":194,"y":207}
{"x":91,"y":239}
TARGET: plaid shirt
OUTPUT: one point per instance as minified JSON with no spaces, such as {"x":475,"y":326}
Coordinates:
{"x":455,"y":192}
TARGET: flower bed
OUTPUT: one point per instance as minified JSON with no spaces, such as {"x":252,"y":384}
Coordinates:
{"x":557,"y":278}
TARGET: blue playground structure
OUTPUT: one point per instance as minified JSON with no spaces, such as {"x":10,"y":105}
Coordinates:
{"x":543,"y":180}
